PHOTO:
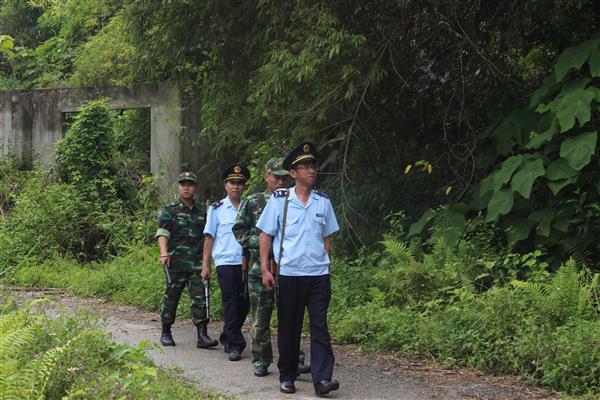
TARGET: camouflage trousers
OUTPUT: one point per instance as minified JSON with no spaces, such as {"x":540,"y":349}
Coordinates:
{"x":179,"y":280}
{"x":261,"y":308}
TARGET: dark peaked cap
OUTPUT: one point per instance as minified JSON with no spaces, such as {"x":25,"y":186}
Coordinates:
{"x":236,"y":171}
{"x":306,"y":151}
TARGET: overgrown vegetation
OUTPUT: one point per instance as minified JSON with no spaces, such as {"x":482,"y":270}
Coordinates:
{"x":544,"y":193}
{"x":439,"y":306}
{"x":69,"y":357}
{"x":87,"y":205}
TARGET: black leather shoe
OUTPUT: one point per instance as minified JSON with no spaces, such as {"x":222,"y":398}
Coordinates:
{"x":166,"y":339}
{"x":326,"y":386}
{"x":235,"y":355}
{"x":261,"y":370}
{"x":303,"y":369}
{"x":287,"y":387}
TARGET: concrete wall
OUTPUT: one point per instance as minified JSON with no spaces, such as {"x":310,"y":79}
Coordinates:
{"x":31,"y":122}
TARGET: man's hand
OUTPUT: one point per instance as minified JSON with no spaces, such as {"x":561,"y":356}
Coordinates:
{"x":268,"y":280}
{"x":205,"y":273}
{"x":164,"y":260}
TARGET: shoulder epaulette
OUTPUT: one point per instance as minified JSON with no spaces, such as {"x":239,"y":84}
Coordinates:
{"x":280,"y":193}
{"x":321,"y":194}
{"x":217,"y":204}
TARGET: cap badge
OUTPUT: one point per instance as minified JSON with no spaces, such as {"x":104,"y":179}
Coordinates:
{"x":306,"y":148}
{"x":237,"y":169}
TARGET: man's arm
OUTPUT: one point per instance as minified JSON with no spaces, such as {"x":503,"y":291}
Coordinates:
{"x":327,"y":244}
{"x":206,"y":253}
{"x":163,"y":235}
{"x":163,"y":245}
{"x":265,"y":244}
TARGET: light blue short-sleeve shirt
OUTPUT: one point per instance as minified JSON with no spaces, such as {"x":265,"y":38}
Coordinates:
{"x":219,"y":221}
{"x":303,"y":247}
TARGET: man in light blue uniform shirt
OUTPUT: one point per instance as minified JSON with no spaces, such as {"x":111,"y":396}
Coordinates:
{"x":304,"y":280}
{"x":227,"y":256}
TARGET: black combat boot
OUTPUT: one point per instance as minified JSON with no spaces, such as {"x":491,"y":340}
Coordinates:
{"x":166,"y":339}
{"x":204,"y":341}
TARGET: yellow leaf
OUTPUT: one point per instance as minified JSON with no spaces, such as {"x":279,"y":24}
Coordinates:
{"x":448,"y":190}
{"x":407,"y":169}
{"x":429,"y":168}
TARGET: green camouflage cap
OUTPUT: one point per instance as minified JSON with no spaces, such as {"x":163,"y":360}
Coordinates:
{"x":187,"y":176}
{"x":275,"y":166}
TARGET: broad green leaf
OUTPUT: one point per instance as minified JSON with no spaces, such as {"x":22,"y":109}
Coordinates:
{"x":536,"y":140}
{"x":596,"y":92}
{"x":574,"y":85}
{"x":500,"y":204}
{"x":571,"y":58}
{"x":417,"y":227}
{"x":562,"y":220}
{"x":594,"y":62}
{"x":486,"y":184}
{"x":518,"y":229}
{"x":6,"y":43}
{"x":559,"y":169}
{"x":543,"y":90}
{"x":506,"y":171}
{"x":557,"y":186}
{"x":523,"y":180}
{"x":544,"y":220}
{"x":579,"y":150}
{"x":574,"y":106}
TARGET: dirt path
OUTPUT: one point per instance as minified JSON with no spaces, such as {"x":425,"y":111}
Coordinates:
{"x":378,"y":376}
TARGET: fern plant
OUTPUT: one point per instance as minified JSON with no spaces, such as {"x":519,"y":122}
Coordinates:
{"x":438,"y":277}
{"x":19,"y":377}
{"x":570,"y":292}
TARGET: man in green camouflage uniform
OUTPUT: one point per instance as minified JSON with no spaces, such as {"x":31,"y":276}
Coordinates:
{"x":180,"y":239}
{"x":261,"y":301}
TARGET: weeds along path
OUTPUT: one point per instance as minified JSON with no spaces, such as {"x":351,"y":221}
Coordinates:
{"x":374,"y":376}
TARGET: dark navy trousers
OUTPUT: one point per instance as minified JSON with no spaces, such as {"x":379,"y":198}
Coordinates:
{"x":295,"y":294}
{"x":235,"y":307}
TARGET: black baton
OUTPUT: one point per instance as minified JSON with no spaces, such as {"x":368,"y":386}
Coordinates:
{"x":167,"y":275}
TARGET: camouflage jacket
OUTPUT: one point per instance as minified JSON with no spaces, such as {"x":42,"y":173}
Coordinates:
{"x":183,"y":227}
{"x":245,"y":230}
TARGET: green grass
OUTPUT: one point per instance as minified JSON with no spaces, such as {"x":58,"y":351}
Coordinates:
{"x":70,"y":357}
{"x":134,"y":278}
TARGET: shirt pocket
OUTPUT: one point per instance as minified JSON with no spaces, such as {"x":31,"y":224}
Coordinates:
{"x":318,"y":223}
{"x":224,"y":228}
{"x":292,"y":224}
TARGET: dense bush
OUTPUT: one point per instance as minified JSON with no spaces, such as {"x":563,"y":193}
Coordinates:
{"x":69,"y":357}
{"x":47,"y":218}
{"x":433,"y":306}
{"x":91,"y":203}
{"x":543,"y":191}
{"x":12,"y":175}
